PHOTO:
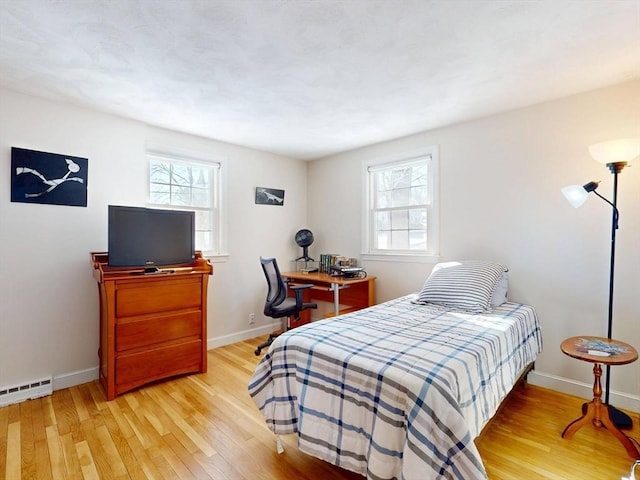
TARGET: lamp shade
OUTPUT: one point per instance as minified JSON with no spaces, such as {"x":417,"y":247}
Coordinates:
{"x":621,"y":150}
{"x":575,"y":195}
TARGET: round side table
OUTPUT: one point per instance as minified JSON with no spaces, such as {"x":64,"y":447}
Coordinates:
{"x":599,"y":351}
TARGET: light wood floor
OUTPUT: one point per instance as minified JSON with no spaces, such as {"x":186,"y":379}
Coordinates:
{"x":206,"y":427}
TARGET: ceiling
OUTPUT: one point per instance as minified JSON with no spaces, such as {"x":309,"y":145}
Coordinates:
{"x":309,"y":78}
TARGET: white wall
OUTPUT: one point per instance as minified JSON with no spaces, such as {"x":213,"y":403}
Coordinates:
{"x":48,"y":297}
{"x":500,"y":199}
{"x":500,"y":180}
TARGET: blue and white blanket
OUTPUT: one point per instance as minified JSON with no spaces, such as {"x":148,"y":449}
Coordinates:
{"x":398,"y":390}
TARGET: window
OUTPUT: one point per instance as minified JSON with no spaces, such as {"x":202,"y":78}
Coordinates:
{"x":185,"y":184}
{"x":401,"y":201}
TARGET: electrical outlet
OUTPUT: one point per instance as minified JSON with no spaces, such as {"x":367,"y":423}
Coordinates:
{"x":252,"y":318}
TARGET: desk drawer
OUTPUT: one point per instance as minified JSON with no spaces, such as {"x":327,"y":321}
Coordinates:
{"x":159,"y":329}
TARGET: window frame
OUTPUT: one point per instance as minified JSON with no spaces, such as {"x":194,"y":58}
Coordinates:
{"x":369,"y":167}
{"x":216,"y":209}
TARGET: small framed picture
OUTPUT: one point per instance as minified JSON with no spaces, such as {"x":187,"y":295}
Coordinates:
{"x":269,"y":196}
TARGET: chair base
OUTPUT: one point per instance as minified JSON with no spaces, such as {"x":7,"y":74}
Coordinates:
{"x":267,"y":343}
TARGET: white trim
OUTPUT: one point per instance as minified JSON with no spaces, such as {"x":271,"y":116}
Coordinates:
{"x":218,"y":189}
{"x":71,"y":379}
{"x":242,"y":336}
{"x":78,"y":377}
{"x":583,"y":390}
{"x":433,"y":225}
{"x":189,"y":156}
{"x":401,"y":258}
{"x":567,"y":386}
{"x":402,"y":161}
{"x":222,"y":185}
{"x":217,"y":258}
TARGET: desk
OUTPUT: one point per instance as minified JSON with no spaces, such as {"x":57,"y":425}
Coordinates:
{"x":597,"y":412}
{"x":356,"y":293}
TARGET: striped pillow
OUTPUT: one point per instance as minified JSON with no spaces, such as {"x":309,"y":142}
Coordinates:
{"x":466,"y":285}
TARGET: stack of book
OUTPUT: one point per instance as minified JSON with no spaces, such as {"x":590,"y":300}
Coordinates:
{"x":327,"y":260}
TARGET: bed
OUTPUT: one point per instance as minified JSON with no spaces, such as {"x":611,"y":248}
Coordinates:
{"x":400,"y":389}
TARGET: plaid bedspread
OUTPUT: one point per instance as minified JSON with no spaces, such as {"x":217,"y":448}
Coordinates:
{"x":398,"y":390}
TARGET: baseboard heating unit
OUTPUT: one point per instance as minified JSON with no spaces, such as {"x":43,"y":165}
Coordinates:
{"x":26,"y":391}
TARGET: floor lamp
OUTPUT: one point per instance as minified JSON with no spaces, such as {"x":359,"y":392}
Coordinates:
{"x":616,"y":155}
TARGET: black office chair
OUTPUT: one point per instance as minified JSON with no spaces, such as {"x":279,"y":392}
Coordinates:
{"x":278,"y":304}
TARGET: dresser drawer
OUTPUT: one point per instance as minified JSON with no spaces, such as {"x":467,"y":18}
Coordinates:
{"x":143,"y":367}
{"x":139,"y":298}
{"x":138,"y":333}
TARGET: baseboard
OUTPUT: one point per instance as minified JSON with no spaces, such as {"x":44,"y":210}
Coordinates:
{"x":553,"y":382}
{"x":42,"y":387}
{"x":242,"y":336}
{"x":72,"y":379}
{"x":622,"y":400}
{"x":78,"y":377}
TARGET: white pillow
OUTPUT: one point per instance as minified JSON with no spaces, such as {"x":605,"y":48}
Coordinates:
{"x":500,"y":294}
{"x":467,"y":285}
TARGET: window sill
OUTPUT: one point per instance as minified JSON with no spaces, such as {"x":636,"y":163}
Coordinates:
{"x":400,"y":257}
{"x":216,"y":257}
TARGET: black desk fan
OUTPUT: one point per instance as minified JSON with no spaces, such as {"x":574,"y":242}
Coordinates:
{"x":304,"y":238}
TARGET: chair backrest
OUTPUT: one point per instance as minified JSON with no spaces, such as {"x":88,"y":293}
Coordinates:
{"x":277,"y":289}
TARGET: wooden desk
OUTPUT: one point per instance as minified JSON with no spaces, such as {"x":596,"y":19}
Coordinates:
{"x":597,"y":412}
{"x":356,"y":293}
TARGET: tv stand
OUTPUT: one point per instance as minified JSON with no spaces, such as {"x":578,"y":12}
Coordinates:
{"x":152,"y":271}
{"x":153,"y":324}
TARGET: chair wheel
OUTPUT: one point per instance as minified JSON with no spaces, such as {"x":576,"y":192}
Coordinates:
{"x":257,"y":352}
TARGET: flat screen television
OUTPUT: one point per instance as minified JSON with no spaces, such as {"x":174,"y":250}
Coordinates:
{"x":150,"y":238}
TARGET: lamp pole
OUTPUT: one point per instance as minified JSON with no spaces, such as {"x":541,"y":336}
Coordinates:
{"x":614,"y":227}
{"x":620,"y":419}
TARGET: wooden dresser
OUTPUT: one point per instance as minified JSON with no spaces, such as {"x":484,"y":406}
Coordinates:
{"x":152,"y":326}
